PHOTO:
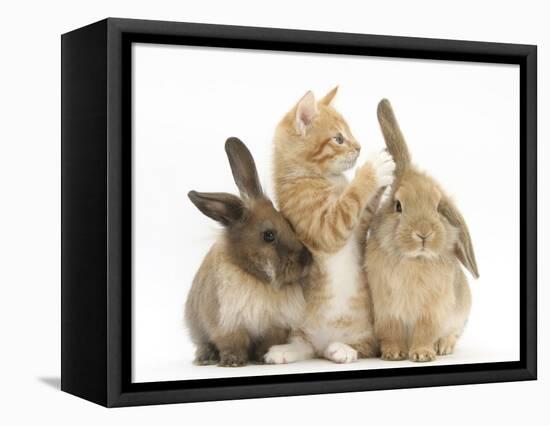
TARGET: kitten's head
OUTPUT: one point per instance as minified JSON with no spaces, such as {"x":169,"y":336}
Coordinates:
{"x":314,"y":137}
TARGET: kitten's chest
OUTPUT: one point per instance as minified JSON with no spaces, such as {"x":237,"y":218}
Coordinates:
{"x":342,"y":276}
{"x":336,"y":310}
{"x":339,"y":182}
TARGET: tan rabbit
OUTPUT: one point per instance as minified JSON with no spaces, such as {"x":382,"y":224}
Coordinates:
{"x":417,"y":241}
{"x":247,"y":293}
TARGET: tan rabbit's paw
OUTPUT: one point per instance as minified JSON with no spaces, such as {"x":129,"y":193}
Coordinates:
{"x":394,"y":355}
{"x":445,"y":345}
{"x":232,"y":360}
{"x":384,"y":166}
{"x":340,"y":353}
{"x":422,"y":354}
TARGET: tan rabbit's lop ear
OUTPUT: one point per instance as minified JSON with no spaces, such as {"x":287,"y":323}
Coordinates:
{"x":220,"y":206}
{"x":395,"y":142}
{"x":243,"y":169}
{"x":327,"y":99}
{"x":464,"y":249}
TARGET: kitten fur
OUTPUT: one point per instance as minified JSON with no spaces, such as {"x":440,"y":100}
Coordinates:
{"x":313,"y":147}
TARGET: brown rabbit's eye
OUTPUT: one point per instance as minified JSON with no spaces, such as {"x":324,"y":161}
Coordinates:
{"x":339,"y":139}
{"x":269,"y":236}
{"x":398,"y":207}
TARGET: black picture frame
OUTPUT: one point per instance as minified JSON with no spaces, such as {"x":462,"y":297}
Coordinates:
{"x":96,"y":212}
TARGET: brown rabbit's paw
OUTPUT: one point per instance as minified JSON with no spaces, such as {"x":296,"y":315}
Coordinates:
{"x":232,"y":360}
{"x":445,"y":345}
{"x":209,"y":360}
{"x":422,"y":355}
{"x":206,"y":355}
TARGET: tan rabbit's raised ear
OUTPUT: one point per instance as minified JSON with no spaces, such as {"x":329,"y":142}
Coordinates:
{"x":220,"y":206}
{"x":327,"y":99}
{"x":395,"y":142}
{"x":243,"y":169}
{"x":464,"y":249}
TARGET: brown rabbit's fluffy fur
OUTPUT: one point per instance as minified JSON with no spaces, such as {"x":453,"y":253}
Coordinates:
{"x":313,"y":146}
{"x":417,"y":240}
{"x":232,"y":316}
{"x":247,"y":294}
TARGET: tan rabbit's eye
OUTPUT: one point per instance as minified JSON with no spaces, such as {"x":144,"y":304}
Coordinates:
{"x":268,"y":236}
{"x":398,"y":207}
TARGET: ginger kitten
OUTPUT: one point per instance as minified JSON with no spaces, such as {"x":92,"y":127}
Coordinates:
{"x":313,"y":147}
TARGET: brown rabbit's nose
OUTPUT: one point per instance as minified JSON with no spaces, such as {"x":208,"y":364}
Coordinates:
{"x":305,"y":257}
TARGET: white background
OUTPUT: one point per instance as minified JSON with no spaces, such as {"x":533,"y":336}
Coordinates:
{"x":456,"y":116}
{"x":30,"y":173}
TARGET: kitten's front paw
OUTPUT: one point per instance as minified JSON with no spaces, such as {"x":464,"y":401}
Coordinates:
{"x":280,"y":354}
{"x":422,"y":354}
{"x":340,"y":353}
{"x":384,"y":166}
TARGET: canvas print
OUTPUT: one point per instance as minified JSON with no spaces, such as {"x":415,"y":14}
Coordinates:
{"x":297,"y":213}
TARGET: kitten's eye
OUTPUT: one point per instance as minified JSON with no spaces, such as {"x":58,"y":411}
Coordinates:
{"x":268,"y":236}
{"x":398,"y":207}
{"x":339,"y":139}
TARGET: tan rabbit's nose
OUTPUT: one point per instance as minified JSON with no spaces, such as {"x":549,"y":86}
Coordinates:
{"x":423,"y":231}
{"x":424,"y":236}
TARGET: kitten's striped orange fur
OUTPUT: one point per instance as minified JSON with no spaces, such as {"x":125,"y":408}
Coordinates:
{"x":313,"y":146}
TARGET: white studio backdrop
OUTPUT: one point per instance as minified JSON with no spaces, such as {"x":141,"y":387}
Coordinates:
{"x":461,"y":121}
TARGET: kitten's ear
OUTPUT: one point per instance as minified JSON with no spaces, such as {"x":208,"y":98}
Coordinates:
{"x":327,"y":99}
{"x":306,"y":111}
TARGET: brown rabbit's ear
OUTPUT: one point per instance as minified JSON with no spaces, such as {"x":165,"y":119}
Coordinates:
{"x":395,"y":142}
{"x":464,"y":249}
{"x":327,"y":99}
{"x":243,"y":168}
{"x":220,"y":206}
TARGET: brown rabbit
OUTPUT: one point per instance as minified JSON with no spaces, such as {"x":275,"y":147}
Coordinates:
{"x":417,"y":241}
{"x":247,"y":293}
